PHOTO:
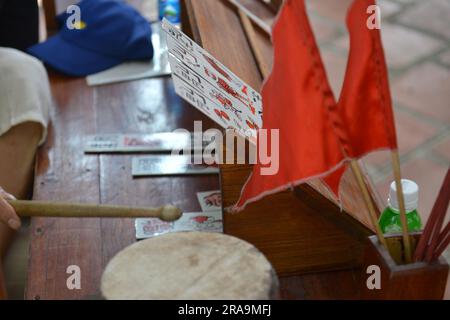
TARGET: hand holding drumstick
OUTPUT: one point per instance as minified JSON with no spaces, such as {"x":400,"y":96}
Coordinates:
{"x":7,"y":212}
{"x":11,"y":209}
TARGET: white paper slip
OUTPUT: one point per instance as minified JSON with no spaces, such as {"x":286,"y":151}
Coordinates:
{"x":210,"y":200}
{"x":169,"y":165}
{"x":156,"y":142}
{"x":211,"y":87}
{"x":149,"y":227}
{"x":199,"y":221}
{"x":202,"y":102}
{"x":134,"y":70}
{"x":211,"y":69}
{"x":192,"y":221}
{"x":232,"y":111}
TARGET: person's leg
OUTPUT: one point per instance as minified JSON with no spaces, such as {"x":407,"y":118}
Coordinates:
{"x":18,"y":149}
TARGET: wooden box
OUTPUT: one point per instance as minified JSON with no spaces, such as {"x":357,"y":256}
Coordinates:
{"x":416,"y":281}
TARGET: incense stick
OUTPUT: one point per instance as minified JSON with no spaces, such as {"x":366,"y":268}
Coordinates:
{"x":440,"y":206}
{"x":430,"y":235}
{"x":444,"y":241}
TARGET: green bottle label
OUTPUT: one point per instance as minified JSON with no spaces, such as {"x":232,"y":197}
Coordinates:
{"x":390,"y":221}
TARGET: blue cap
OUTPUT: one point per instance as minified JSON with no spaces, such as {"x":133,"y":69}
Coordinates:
{"x":109,"y":33}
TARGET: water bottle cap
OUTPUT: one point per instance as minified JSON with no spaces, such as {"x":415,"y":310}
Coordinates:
{"x":410,"y":194}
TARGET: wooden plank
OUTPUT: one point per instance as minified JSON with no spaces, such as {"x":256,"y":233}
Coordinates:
{"x":340,"y":285}
{"x":145,"y":106}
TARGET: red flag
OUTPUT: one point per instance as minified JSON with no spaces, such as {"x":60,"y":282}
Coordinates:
{"x":317,"y":135}
{"x":365,"y":105}
{"x":294,"y":99}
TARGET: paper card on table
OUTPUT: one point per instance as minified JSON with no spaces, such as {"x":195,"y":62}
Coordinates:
{"x":191,"y":221}
{"x":200,"y":221}
{"x":210,"y":200}
{"x":169,"y":165}
{"x":149,"y":227}
{"x":157,"y":67}
{"x":156,"y":142}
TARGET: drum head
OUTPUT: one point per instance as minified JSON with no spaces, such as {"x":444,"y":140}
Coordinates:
{"x":189,"y":265}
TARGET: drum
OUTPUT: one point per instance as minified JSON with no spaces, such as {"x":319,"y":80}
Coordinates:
{"x":190,"y":266}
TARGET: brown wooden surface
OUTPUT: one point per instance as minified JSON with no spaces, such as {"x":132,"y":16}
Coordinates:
{"x":65,"y":173}
{"x":416,"y":281}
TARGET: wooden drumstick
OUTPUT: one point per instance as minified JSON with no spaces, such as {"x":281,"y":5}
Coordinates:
{"x":66,"y":210}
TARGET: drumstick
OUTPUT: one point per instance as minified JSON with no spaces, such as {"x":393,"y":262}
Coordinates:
{"x":65,"y":210}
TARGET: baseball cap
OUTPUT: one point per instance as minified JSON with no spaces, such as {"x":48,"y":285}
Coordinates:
{"x":108,"y":33}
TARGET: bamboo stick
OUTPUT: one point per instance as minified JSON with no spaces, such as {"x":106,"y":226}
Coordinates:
{"x":250,"y":32}
{"x":368,"y":200}
{"x":259,"y":22}
{"x":65,"y":210}
{"x":401,"y":204}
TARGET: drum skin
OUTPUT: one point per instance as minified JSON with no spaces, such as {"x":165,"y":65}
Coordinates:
{"x":189,"y":266}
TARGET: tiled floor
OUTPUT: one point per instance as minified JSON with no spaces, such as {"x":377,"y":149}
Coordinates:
{"x":416,"y":37}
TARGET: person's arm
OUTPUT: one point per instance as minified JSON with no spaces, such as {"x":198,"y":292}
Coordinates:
{"x":8,"y":220}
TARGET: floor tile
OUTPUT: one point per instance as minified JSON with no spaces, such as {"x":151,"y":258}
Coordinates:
{"x":443,"y":149}
{"x":431,"y":16}
{"x":404,"y":46}
{"x":411,"y":133}
{"x":425,"y":88}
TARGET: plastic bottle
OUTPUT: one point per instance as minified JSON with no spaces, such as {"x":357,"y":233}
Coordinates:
{"x":171,"y":10}
{"x":390,"y":218}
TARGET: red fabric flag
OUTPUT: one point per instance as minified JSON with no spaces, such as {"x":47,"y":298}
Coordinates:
{"x":317,"y":135}
{"x":365,"y":105}
{"x":294,"y":99}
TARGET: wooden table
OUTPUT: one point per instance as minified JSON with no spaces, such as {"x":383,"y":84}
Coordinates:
{"x":65,"y":173}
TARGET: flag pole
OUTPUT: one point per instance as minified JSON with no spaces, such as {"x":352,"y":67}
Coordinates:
{"x":401,"y":204}
{"x":367,"y":199}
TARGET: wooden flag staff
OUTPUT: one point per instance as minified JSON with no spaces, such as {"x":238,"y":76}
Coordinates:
{"x":368,"y":200}
{"x":66,"y":210}
{"x":401,"y":204}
